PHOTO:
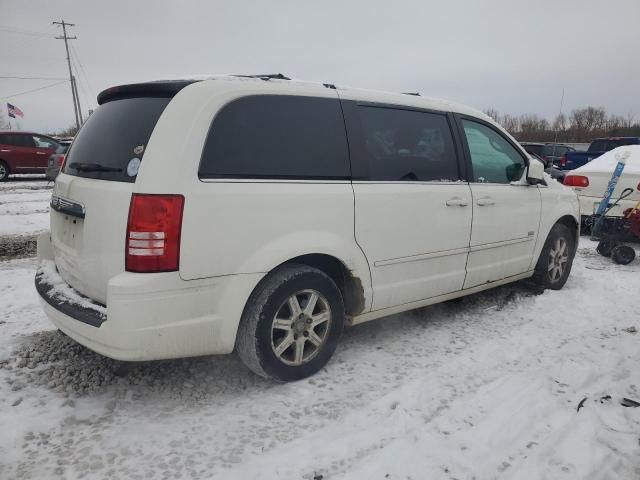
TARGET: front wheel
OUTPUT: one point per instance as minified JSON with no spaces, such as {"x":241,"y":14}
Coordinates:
{"x":556,"y":258}
{"x":291,"y":324}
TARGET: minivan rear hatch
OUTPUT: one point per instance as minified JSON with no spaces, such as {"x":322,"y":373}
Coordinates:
{"x":91,"y":197}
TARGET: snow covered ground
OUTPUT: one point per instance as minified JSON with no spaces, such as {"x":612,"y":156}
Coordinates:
{"x":24,"y":205}
{"x":484,"y":387}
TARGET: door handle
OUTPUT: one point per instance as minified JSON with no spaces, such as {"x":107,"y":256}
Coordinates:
{"x":456,"y":202}
{"x":41,"y":153}
{"x":484,"y":201}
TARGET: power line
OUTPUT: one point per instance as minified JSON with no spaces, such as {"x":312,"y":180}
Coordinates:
{"x":92,"y":90}
{"x":36,"y":89}
{"x":34,"y":78}
{"x":77,"y":80}
{"x":24,"y":32}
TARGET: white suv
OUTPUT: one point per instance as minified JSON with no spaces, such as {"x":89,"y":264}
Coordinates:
{"x":263,"y":214}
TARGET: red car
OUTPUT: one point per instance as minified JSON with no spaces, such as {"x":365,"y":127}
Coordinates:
{"x":24,"y":152}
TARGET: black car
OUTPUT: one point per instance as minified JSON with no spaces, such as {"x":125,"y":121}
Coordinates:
{"x":550,"y":153}
{"x":56,"y":159}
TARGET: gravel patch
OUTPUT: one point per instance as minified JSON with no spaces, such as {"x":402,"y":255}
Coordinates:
{"x":55,"y":361}
{"x":17,"y":246}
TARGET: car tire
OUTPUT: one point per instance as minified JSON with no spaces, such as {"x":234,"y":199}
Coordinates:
{"x":4,"y":171}
{"x":623,"y":254}
{"x":605,"y":247}
{"x":291,"y":324}
{"x":555,"y":261}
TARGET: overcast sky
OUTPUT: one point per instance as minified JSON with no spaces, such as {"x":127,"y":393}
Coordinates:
{"x":512,"y":55}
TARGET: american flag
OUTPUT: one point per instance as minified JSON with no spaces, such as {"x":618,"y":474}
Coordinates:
{"x":14,"y":111}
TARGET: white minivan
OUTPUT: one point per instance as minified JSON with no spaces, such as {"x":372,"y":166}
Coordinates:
{"x":262,"y":214}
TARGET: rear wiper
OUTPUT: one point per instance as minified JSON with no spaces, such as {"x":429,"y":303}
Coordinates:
{"x":92,"y":167}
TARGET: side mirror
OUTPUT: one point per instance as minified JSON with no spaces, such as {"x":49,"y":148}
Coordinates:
{"x":535,"y":172}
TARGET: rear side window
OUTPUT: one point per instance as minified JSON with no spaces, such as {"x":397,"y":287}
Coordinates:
{"x":111,"y":144}
{"x":276,"y":136}
{"x":17,"y":140}
{"x":406,"y":145}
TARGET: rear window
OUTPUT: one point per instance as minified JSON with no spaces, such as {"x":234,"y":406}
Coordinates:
{"x":111,"y":144}
{"x":277,"y":136}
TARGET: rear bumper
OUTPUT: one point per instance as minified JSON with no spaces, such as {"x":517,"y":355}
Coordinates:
{"x":148,"y":316}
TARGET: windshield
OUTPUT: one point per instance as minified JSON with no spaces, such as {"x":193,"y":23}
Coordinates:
{"x":111,"y":144}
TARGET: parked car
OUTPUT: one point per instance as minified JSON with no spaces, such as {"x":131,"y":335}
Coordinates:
{"x":573,"y":160}
{"x":550,"y":153}
{"x":590,"y":182}
{"x":294,"y":209}
{"x":56,"y":160}
{"x":24,"y":152}
{"x":550,"y":169}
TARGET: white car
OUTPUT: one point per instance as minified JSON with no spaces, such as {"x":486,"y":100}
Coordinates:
{"x":590,"y":181}
{"x":263,"y":214}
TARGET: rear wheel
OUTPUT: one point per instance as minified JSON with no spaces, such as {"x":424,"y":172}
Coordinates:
{"x":4,"y":171}
{"x":292,"y":323}
{"x":623,"y":254}
{"x":556,"y":259}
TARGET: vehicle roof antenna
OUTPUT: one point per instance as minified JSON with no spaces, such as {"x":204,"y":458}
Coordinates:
{"x":414,"y":94}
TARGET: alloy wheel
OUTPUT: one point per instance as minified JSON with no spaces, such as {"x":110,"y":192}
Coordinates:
{"x":300,"y":327}
{"x":558,"y":258}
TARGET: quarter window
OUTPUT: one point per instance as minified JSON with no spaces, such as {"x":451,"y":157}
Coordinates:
{"x":406,"y":145}
{"x":276,"y":136}
{"x":493,"y":158}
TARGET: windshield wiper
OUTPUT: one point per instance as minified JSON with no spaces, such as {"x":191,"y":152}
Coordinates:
{"x":92,"y":167}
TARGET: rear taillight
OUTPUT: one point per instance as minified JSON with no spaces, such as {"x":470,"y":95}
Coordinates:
{"x":579,"y":181}
{"x":153,"y":233}
{"x":60,"y":159}
{"x":563,"y":161}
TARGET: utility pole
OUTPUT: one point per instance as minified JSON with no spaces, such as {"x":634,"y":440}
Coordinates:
{"x":75,"y":86}
{"x":71,"y":79}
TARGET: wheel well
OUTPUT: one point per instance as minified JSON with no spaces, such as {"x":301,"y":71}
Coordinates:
{"x":349,"y":285}
{"x":572,"y":225}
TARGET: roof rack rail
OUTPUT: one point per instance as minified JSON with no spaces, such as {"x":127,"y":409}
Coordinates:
{"x":329,"y":85}
{"x":414,"y":94}
{"x":266,"y":77}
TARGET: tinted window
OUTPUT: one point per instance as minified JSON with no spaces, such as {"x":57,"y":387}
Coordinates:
{"x":112,"y":136}
{"x":275,"y":136}
{"x":537,"y":149}
{"x":606,"y":145}
{"x":493,"y":158}
{"x":406,"y":145}
{"x":17,"y":140}
{"x":555,"y":150}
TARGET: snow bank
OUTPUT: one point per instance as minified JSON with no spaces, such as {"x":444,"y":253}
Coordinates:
{"x":608,"y":161}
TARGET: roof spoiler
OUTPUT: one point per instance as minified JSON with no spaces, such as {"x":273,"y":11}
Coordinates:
{"x":165,"y":88}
